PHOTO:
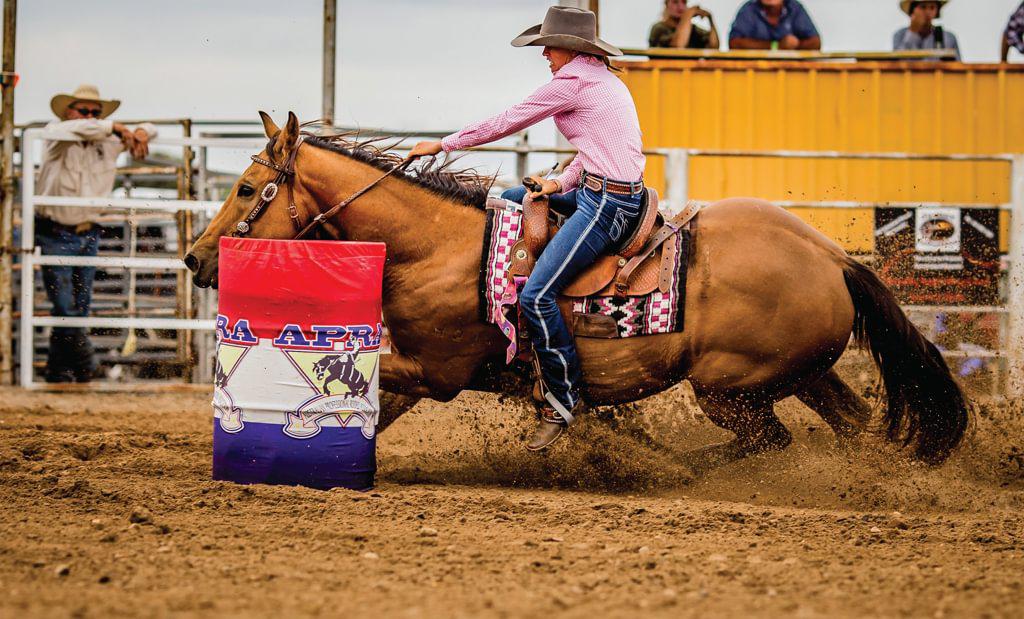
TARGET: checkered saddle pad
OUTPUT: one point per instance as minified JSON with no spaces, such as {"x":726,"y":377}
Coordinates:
{"x":651,"y":314}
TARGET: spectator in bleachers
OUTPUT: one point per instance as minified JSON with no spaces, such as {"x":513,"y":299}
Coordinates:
{"x":676,"y":28}
{"x":1013,"y":36}
{"x":922,"y":32}
{"x":773,"y":24}
{"x":82,"y":164}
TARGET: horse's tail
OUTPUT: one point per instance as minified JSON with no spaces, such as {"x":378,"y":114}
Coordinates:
{"x":924,"y":404}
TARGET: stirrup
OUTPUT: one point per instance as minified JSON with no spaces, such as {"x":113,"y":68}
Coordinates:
{"x":567,"y":416}
{"x":550,"y":428}
{"x":547,"y":399}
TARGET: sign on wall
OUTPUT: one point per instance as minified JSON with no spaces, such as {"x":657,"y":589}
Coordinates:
{"x":939,"y":255}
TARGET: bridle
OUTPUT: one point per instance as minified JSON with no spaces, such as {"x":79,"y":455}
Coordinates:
{"x":286,"y":176}
{"x":269,"y":192}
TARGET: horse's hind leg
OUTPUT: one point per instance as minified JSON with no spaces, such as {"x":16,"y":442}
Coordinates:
{"x":754,"y":423}
{"x":846,"y":412}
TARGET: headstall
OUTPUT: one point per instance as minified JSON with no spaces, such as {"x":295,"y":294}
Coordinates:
{"x":286,"y":175}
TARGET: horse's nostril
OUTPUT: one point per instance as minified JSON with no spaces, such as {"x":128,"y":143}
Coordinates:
{"x":192,"y":263}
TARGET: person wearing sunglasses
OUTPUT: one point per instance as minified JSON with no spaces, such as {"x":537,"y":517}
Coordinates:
{"x":80,"y":162}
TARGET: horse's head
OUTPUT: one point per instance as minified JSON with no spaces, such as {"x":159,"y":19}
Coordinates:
{"x":255,"y":185}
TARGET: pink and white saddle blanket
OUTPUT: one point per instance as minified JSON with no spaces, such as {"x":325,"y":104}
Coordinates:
{"x":651,"y":314}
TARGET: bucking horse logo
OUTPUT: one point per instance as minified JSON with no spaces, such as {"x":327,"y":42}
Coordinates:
{"x":220,"y":377}
{"x":223,"y":403}
{"x":341,"y":368}
{"x":341,"y":381}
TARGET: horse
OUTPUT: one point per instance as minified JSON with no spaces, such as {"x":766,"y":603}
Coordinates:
{"x":771,"y":303}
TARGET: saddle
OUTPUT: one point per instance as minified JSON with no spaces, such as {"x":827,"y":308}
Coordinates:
{"x":642,"y":263}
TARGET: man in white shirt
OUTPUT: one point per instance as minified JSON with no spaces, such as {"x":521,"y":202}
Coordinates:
{"x":82,"y":163}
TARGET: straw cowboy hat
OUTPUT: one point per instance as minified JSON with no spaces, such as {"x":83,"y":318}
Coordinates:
{"x":568,"y":28}
{"x":85,"y":92}
{"x":907,"y":4}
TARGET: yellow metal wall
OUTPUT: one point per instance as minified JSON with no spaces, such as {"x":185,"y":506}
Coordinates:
{"x":928,"y":108}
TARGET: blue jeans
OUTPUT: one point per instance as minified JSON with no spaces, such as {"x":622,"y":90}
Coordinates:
{"x":602,"y":220}
{"x":565,"y":200}
{"x":69,"y":290}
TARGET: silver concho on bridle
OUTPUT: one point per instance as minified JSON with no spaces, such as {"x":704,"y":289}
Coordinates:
{"x":269,"y":192}
{"x":266,"y":196}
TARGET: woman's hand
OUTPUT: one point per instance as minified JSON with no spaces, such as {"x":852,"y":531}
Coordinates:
{"x":425,"y":149}
{"x":547,"y":187}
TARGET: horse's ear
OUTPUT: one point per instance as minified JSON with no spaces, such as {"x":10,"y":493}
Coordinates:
{"x":269,"y":126}
{"x":286,"y":139}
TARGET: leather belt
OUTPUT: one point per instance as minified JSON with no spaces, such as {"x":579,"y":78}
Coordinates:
{"x":597,"y":183}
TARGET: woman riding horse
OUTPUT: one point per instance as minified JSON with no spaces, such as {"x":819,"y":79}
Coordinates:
{"x":594,"y":110}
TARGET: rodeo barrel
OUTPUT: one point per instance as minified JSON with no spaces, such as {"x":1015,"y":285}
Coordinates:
{"x":298,"y":339}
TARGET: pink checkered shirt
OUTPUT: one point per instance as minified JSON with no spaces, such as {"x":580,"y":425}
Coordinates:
{"x":592,"y":108}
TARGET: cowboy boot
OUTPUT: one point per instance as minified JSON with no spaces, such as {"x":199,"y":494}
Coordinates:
{"x":83,"y":357}
{"x":58,"y":368}
{"x":550,"y":427}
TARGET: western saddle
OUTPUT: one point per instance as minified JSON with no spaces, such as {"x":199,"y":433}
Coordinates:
{"x":642,"y":263}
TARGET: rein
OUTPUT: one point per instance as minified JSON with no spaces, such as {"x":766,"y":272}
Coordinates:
{"x":322,"y":217}
{"x":286,"y":175}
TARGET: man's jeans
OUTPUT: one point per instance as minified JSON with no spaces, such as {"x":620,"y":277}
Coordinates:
{"x":69,"y":290}
{"x":601,"y":221}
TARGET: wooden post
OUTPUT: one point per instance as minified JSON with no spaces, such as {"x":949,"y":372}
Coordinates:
{"x":7,"y":191}
{"x":184,"y":220}
{"x":330,"y":32}
{"x":677,"y":179}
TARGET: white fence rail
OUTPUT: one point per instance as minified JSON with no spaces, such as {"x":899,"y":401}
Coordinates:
{"x":31,"y":257}
{"x":677,"y":179}
{"x":677,"y":174}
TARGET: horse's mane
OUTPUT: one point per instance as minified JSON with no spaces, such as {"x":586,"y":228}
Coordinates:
{"x":465,"y":186}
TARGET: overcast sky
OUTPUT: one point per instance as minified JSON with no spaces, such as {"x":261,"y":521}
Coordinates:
{"x":404,"y":64}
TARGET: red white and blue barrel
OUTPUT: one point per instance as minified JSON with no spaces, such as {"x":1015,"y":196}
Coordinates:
{"x":298,"y":342}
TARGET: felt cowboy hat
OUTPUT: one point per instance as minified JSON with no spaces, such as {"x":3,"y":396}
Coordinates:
{"x":86,"y":92}
{"x":908,"y":5}
{"x":568,"y":28}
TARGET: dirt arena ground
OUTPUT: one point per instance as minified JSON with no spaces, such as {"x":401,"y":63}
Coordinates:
{"x":108,"y":510}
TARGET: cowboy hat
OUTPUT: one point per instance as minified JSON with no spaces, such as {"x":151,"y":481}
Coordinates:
{"x":907,"y":5}
{"x":86,"y":92}
{"x":568,"y":28}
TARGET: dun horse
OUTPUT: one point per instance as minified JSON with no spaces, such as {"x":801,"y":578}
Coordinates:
{"x":770,"y":303}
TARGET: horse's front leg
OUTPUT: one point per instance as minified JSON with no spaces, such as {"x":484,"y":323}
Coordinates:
{"x":401,"y":381}
{"x":403,"y":375}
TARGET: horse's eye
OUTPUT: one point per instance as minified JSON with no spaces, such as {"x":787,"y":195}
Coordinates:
{"x":244,"y":191}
